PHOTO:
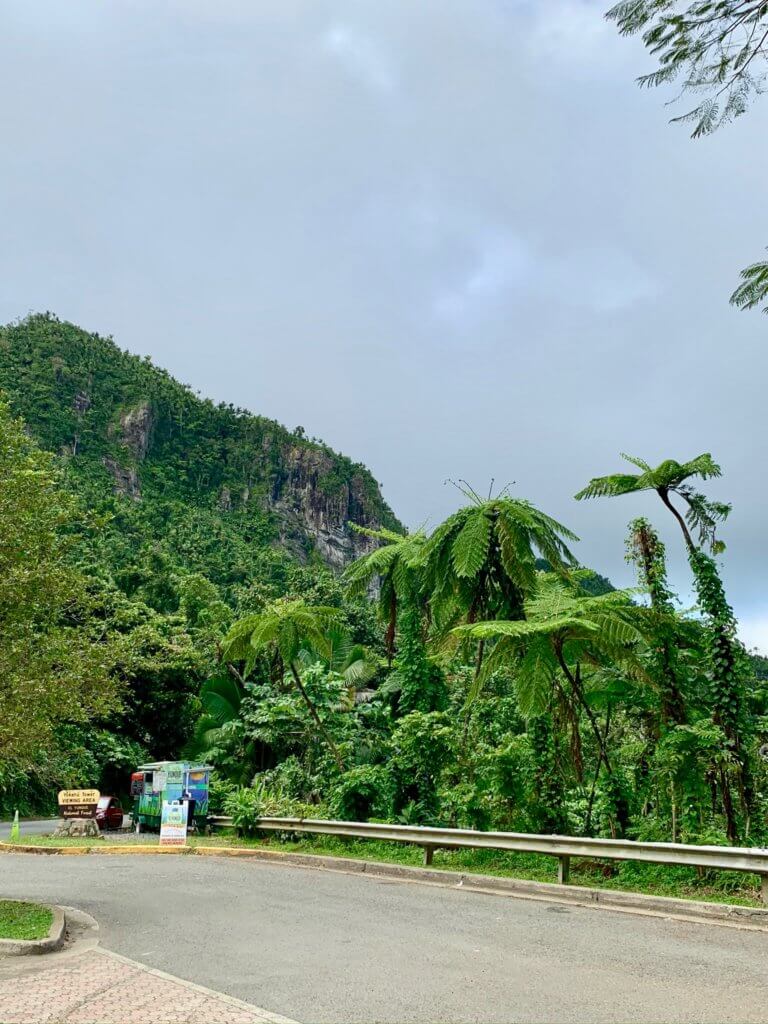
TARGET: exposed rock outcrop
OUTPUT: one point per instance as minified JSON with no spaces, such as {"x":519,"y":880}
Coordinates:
{"x":126,"y":479}
{"x":81,"y":402}
{"x":136,"y":429}
{"x":310,"y":500}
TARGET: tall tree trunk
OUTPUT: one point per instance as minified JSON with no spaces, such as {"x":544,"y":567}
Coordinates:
{"x":578,"y":691}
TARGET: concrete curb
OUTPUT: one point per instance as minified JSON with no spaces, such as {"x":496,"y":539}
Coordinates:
{"x":753,"y":918}
{"x":30,"y":947}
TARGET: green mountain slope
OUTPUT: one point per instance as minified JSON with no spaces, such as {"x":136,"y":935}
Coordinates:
{"x":219,"y":487}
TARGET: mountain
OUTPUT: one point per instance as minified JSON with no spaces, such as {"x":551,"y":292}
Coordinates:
{"x":214,"y":483}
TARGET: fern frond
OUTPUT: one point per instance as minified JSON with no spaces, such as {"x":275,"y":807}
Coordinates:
{"x":636,"y":461}
{"x":469,"y":550}
{"x":608,"y":486}
{"x":753,"y":288}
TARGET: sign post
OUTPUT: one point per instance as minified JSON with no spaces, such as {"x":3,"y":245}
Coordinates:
{"x":78,"y":803}
{"x":173,"y":823}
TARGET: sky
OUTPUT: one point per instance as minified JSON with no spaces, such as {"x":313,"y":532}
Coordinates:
{"x":452,"y":238}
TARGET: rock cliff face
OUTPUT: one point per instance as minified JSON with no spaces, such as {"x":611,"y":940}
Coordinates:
{"x":126,"y":478}
{"x":312,"y":505}
{"x":124,"y":426}
{"x":136,"y":429}
{"x":309,"y":501}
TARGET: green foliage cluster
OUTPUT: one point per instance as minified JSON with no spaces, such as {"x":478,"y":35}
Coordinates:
{"x":473,"y":677}
{"x":516,"y":690}
{"x":128,"y":548}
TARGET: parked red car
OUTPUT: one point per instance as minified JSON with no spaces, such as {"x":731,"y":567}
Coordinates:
{"x":109,"y":813}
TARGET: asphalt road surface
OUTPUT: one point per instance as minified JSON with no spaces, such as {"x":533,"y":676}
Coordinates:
{"x":38,"y":828}
{"x":326,"y":946}
{"x":29,"y":828}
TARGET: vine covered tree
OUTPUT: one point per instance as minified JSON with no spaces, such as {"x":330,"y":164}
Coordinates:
{"x":726,"y":656}
{"x":646,"y":551}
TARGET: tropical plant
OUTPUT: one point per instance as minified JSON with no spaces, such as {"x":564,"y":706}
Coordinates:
{"x":481,"y":562}
{"x":339,"y":653}
{"x":392,"y":569}
{"x":565,"y":637}
{"x":218,"y":730}
{"x":666,"y":479}
{"x":282,"y":631}
{"x":726,"y":658}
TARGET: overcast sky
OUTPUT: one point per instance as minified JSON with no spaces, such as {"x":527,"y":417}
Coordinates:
{"x":453,"y":239}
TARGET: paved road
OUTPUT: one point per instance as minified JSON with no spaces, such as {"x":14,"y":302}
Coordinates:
{"x":327,"y":947}
{"x":39,"y":828}
{"x":30,"y":828}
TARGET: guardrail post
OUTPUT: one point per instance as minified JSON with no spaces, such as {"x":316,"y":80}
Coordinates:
{"x":563,"y":870}
{"x":428,"y":852}
{"x":764,"y":888}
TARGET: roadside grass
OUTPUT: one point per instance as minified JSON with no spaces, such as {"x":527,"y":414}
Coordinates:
{"x":24,"y":920}
{"x":651,"y":879}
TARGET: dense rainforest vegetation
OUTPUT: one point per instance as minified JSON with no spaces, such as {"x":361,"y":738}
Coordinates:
{"x":161,"y":595}
{"x":161,"y":518}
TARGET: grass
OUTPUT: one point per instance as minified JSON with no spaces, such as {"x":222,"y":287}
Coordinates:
{"x":651,"y":879}
{"x":24,"y":920}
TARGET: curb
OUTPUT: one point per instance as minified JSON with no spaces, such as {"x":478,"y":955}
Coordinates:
{"x":753,"y":918}
{"x":31,"y":947}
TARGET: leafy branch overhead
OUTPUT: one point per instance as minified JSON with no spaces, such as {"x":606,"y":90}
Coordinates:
{"x":714,"y":48}
{"x":716,"y":51}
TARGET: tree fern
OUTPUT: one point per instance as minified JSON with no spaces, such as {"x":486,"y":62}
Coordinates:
{"x":669,"y":477}
{"x":286,"y":628}
{"x":753,"y":289}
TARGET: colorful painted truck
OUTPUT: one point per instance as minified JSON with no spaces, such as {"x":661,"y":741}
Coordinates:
{"x":151,"y":784}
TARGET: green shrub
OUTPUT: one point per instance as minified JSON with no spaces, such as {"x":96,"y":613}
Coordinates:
{"x":244,"y":806}
{"x":363,"y":792}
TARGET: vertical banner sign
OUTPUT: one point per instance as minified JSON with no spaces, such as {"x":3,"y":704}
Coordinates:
{"x":173,"y":823}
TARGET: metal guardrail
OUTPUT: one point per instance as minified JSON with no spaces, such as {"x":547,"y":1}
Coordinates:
{"x":726,"y":858}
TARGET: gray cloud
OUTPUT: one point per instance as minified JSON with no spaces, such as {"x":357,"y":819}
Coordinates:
{"x":451,"y":238}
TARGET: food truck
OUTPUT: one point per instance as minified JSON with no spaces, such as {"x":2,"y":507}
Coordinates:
{"x":153,"y":783}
